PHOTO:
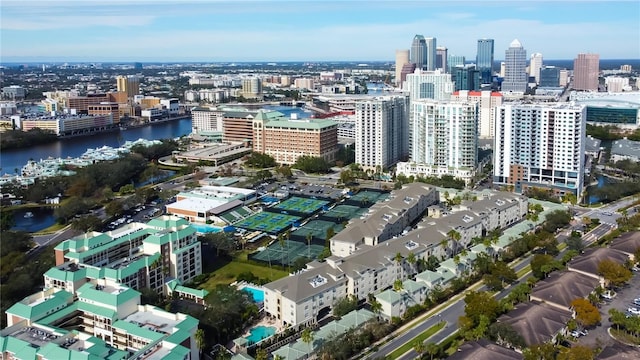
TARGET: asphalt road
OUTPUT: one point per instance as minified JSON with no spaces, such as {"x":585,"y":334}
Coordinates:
{"x":455,"y":310}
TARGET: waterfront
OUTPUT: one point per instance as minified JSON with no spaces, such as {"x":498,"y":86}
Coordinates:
{"x":38,"y":219}
{"x":13,"y":159}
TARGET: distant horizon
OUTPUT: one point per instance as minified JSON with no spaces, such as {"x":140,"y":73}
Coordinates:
{"x":329,"y":30}
{"x":265,"y":62}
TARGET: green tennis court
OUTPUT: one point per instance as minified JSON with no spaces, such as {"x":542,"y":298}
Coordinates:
{"x":318,"y":230}
{"x":287,"y":252}
{"x":366,"y":197}
{"x":342,"y":213}
{"x":301,"y":205}
{"x":271,"y":223}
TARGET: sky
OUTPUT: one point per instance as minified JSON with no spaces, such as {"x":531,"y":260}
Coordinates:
{"x":308,"y":30}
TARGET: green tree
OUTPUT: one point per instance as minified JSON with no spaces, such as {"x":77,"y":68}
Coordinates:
{"x":538,"y":262}
{"x":7,"y":220}
{"x":577,"y":352}
{"x":546,"y":351}
{"x":345,"y":305}
{"x":432,"y":349}
{"x":307,"y":337}
{"x":419,"y":347}
{"x":87,"y":223}
{"x":200,"y":340}
{"x":455,"y":237}
{"x":399,"y":259}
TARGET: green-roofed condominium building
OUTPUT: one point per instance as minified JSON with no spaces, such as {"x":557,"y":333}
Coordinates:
{"x":104,"y":321}
{"x":287,"y":139}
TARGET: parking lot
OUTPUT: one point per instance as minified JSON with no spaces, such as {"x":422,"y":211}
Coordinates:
{"x":598,"y":337}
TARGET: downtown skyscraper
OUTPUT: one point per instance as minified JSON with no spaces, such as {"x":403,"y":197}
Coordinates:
{"x":586,"y":68}
{"x":535,"y":64}
{"x":484,"y":60}
{"x":515,"y":64}
{"x":418,"y":54}
{"x":431,"y":53}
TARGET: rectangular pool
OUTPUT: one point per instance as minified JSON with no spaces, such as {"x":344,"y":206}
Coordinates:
{"x":258,"y":295}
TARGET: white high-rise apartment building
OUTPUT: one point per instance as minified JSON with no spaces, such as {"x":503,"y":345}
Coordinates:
{"x":445,"y":139}
{"x":434,"y":85}
{"x":206,"y":120}
{"x":381,"y":131}
{"x":487,"y":102}
{"x":535,"y":64}
{"x":540,"y":145}
{"x":402,"y":58}
{"x":515,"y":68}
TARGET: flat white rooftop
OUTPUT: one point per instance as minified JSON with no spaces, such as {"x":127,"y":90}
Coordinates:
{"x":196,"y":204}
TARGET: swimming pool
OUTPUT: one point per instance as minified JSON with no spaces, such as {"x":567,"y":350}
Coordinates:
{"x":260,"y":333}
{"x":204,"y":229}
{"x":258,"y":295}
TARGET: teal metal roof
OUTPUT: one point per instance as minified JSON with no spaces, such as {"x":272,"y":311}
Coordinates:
{"x":41,"y":309}
{"x":312,"y":124}
{"x":138,"y":331}
{"x":88,"y":291}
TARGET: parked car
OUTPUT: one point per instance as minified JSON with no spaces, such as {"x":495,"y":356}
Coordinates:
{"x":634,"y":311}
{"x":636,"y":301}
{"x":608,"y":295}
{"x":575,"y":334}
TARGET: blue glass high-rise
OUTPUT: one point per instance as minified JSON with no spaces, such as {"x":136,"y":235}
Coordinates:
{"x":484,"y":60}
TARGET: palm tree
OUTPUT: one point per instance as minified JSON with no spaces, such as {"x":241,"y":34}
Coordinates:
{"x":397,"y":285}
{"x":199,"y":337}
{"x":431,"y":349}
{"x":444,"y":244}
{"x":455,"y":237}
{"x":307,"y":337}
{"x":420,"y":348}
{"x":398,"y":259}
{"x":376,"y":306}
{"x":411,"y":260}
{"x":309,"y":237}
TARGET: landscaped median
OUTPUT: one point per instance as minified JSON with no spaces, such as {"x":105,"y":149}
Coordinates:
{"x":422,"y":337}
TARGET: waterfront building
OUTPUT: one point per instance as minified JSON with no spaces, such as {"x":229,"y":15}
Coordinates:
{"x":540,"y":145}
{"x":535,"y":64}
{"x":418,"y":54}
{"x":80,"y":104}
{"x":364,"y":253}
{"x":105,"y":108}
{"x":14,"y":92}
{"x":444,"y":140}
{"x":50,"y":105}
{"x":467,"y":78}
{"x":205,"y":120}
{"x":487,"y":102}
{"x":515,"y":66}
{"x":273,"y":135}
{"x":63,"y":125}
{"x":484,"y":59}
{"x":102,"y":320}
{"x":549,"y":76}
{"x":237,"y":124}
{"x":381,"y":131}
{"x":441,"y":58}
{"x":626,"y":68}
{"x":129,"y":84}
{"x":402,"y":58}
{"x":586,"y":68}
{"x":431,"y":53}
{"x":252,"y":87}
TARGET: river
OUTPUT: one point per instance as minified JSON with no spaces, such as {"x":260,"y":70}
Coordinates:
{"x":13,"y":159}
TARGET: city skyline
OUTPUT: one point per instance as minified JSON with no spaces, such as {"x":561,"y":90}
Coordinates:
{"x":201,"y":30}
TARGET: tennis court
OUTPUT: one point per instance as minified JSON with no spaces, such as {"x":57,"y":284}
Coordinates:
{"x":366,"y":198}
{"x":271,"y":223}
{"x":301,"y":205}
{"x":287,"y":252}
{"x":318,"y":230}
{"x":342,"y":213}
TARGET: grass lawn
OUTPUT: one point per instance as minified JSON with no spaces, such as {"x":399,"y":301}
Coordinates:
{"x":227,"y":274}
{"x":422,"y":337}
{"x":51,"y":229}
